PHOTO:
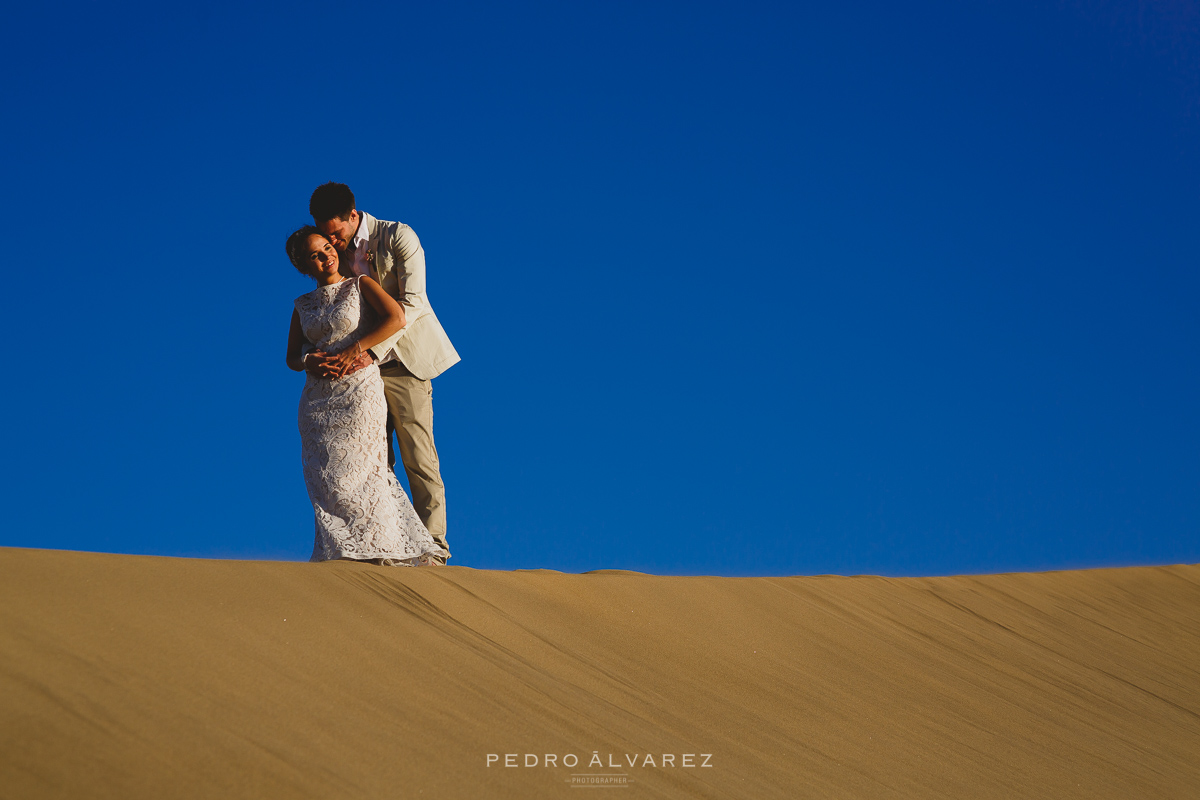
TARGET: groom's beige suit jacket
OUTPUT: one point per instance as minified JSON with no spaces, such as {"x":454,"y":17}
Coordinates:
{"x":397,"y":263}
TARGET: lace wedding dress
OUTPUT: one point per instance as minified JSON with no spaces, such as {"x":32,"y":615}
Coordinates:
{"x":361,"y":510}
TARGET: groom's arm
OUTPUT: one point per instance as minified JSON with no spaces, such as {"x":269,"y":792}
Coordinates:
{"x":408,"y":262}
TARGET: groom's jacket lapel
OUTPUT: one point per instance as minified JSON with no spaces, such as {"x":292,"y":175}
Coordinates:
{"x":374,"y":236}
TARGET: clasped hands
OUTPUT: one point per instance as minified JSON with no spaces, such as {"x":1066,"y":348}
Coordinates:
{"x":324,"y":365}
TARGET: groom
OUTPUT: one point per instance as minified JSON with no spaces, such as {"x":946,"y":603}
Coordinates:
{"x":391,"y":254}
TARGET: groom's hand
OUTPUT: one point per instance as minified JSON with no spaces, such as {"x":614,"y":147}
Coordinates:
{"x":347,"y":362}
{"x":364,"y":360}
{"x":349,"y":367}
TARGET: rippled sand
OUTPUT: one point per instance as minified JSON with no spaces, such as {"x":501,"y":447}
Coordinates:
{"x":140,"y":677}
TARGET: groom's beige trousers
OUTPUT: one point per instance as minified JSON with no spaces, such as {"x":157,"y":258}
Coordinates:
{"x":410,"y":415}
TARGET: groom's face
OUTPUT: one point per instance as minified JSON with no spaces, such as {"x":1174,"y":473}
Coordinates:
{"x":340,"y":231}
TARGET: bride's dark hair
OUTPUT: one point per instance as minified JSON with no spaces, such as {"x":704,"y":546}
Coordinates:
{"x":297,"y":244}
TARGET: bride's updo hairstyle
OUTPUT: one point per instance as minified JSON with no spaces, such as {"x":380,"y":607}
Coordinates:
{"x":297,"y":247}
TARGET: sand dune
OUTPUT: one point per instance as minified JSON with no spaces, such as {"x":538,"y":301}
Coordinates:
{"x":140,"y":677}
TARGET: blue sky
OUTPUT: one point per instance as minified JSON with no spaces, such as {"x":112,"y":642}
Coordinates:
{"x":739,"y":288}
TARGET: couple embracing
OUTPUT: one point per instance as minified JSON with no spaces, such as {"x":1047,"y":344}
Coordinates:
{"x":370,"y":345}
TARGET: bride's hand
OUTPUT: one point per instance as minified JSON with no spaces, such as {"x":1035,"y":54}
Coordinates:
{"x":315,"y":364}
{"x":364,"y":360}
{"x":343,"y":363}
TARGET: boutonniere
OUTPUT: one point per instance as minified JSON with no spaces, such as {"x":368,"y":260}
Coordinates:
{"x":371,"y":257}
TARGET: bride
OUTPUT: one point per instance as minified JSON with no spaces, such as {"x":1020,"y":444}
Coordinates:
{"x":362,"y":512}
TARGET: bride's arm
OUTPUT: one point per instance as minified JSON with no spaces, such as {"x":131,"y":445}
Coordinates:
{"x":296,"y":341}
{"x":392,"y":320}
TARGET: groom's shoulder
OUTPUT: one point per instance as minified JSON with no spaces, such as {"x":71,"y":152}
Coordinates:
{"x":385,"y":227}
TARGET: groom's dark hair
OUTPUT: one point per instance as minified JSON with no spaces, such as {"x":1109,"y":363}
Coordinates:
{"x":331,"y":200}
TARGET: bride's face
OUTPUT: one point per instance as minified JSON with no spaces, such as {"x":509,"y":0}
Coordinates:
{"x":322,"y":258}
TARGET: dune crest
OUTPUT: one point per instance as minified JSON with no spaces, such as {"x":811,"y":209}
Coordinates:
{"x":144,"y":677}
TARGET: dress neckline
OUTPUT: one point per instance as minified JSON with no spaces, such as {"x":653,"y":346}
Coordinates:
{"x":342,"y":282}
{"x":320,"y":289}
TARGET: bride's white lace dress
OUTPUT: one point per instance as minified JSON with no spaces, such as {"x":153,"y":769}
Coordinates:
{"x":361,"y":510}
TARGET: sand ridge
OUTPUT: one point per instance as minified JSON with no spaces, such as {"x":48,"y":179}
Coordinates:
{"x":133,"y":676}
